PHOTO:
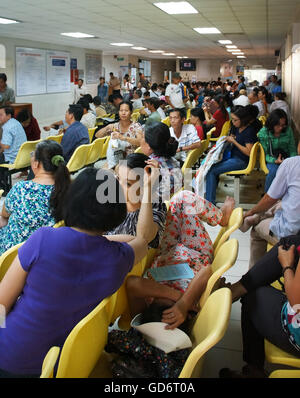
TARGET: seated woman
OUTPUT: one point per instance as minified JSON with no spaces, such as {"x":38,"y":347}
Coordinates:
{"x":30,"y":125}
{"x":160,"y":146}
{"x":197,"y":119}
{"x":277,"y":139}
{"x":32,"y":204}
{"x":61,"y":274}
{"x":185,"y":240}
{"x":266,"y":98}
{"x":88,"y":119}
{"x":242,"y":137}
{"x":129,"y":173}
{"x":269,"y":313}
{"x":126,"y":135}
{"x":219,"y":117}
{"x":99,"y":109}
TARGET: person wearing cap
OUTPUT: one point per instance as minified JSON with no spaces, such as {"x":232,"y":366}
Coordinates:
{"x":176,"y":95}
{"x":20,"y":215}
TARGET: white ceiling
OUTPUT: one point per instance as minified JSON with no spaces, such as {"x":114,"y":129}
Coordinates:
{"x":256,"y":26}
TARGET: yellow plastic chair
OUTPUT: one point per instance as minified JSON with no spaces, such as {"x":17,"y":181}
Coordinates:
{"x":285,"y":374}
{"x":263,"y":119}
{"x":95,"y":151}
{"x":224,"y":131}
{"x":188,"y":114}
{"x":104,"y":148}
{"x":1,"y":192}
{"x":79,"y":158}
{"x":83,"y":346}
{"x":91,"y":132}
{"x":187,"y":121}
{"x":239,"y":173}
{"x":138,"y":150}
{"x":225,"y":259}
{"x":262,"y":160}
{"x":209,"y":328}
{"x":49,"y":363}
{"x":7,"y":258}
{"x":192,"y":157}
{"x":22,"y":161}
{"x":235,"y":221}
{"x":208,"y":137}
{"x":274,"y":354}
{"x":56,"y":138}
{"x":59,"y":224}
{"x":167,"y":121}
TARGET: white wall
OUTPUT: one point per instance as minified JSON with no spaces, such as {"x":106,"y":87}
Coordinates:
{"x":46,"y":108}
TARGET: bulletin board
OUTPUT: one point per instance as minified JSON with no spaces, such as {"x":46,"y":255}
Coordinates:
{"x":41,"y":71}
{"x":93,"y":68}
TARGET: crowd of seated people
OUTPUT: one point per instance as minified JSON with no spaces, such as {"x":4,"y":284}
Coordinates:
{"x":119,"y":232}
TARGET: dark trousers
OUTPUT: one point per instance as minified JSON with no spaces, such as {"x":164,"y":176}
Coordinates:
{"x":261,"y":308}
{"x":4,"y":183}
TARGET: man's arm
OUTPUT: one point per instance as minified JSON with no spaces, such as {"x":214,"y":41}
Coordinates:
{"x":263,"y":205}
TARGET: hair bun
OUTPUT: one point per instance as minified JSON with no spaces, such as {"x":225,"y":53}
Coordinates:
{"x":56,"y":160}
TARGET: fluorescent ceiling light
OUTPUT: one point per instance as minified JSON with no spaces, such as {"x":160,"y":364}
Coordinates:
{"x":240,"y":56}
{"x":7,"y":21}
{"x":185,"y":57}
{"x":139,"y":48}
{"x":169,"y":54}
{"x":230,"y":50}
{"x":177,"y":7}
{"x":207,"y":31}
{"x":179,"y":57}
{"x":237,"y":53}
{"x":77,"y":35}
{"x":156,"y":51}
{"x":231,"y":46}
{"x":225,"y":41}
{"x":121,"y":44}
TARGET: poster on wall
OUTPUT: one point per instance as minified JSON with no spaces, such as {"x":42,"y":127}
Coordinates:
{"x":93,"y":67}
{"x":58,"y":72}
{"x":226,"y":70}
{"x":240,"y":70}
{"x":30,"y":71}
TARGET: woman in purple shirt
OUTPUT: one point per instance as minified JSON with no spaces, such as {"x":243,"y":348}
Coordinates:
{"x":60,"y":275}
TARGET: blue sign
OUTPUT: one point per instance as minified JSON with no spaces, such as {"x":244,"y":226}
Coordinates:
{"x":73,"y":64}
{"x":58,"y":62}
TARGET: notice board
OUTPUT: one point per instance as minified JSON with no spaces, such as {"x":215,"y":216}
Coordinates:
{"x":41,"y":71}
{"x":93,"y":68}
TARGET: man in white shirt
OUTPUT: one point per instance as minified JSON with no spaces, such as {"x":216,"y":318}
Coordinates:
{"x":174,"y":93}
{"x":242,"y":99}
{"x":185,"y":134}
{"x":253,"y":99}
{"x":137,"y":100}
{"x":79,"y":91}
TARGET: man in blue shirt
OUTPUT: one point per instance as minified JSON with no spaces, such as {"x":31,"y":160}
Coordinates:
{"x":13,"y":136}
{"x":76,"y":134}
{"x":103,"y":90}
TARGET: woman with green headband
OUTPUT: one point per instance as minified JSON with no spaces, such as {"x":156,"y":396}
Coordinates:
{"x":32,"y":204}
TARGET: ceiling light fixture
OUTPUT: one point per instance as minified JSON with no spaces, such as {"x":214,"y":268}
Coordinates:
{"x":139,"y":48}
{"x":240,"y":56}
{"x":207,"y":31}
{"x":7,"y":21}
{"x":185,"y":57}
{"x":121,"y":44}
{"x":225,"y":41}
{"x":156,"y":51}
{"x":231,"y":46}
{"x":230,"y":50}
{"x":168,"y":54}
{"x":77,"y":35}
{"x":177,"y":7}
{"x":237,"y":53}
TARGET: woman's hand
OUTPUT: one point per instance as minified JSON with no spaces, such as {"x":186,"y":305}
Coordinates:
{"x":175,"y":315}
{"x":230,"y":139}
{"x":117,"y":136}
{"x":286,"y":257}
{"x":151,"y":172}
{"x":279,"y":160}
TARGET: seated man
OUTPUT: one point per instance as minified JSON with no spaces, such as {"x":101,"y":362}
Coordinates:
{"x":185,"y":134}
{"x":137,"y":99}
{"x":76,"y":134}
{"x":274,"y":220}
{"x":13,"y":136}
{"x":153,"y":105}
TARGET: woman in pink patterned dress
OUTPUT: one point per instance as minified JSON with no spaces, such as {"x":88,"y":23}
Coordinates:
{"x":185,"y":240}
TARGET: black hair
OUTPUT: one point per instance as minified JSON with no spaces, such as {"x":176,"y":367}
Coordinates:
{"x":139,"y":93}
{"x":88,"y":97}
{"x":266,"y":93}
{"x":155,"y":102}
{"x":83,"y":210}
{"x":181,"y":112}
{"x":8,"y":110}
{"x":253,"y":111}
{"x":198,"y":112}
{"x":23,"y":115}
{"x":76,"y":110}
{"x":241,"y":112}
{"x":281,"y":96}
{"x":220,"y":100}
{"x":274,"y":119}
{"x":44,"y":153}
{"x":97,"y":100}
{"x":116,"y":96}
{"x":136,"y":160}
{"x":146,"y":94}
{"x":129,"y":104}
{"x":84,"y":103}
{"x":110,"y":98}
{"x":3,"y":77}
{"x":157,"y":136}
{"x":154,"y":86}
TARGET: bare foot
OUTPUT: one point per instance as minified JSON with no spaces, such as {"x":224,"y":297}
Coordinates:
{"x":227,"y":209}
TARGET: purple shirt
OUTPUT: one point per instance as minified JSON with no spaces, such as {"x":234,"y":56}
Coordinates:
{"x":69,"y":273}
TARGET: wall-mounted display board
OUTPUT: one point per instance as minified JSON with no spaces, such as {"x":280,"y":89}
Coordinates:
{"x":93,"y":68}
{"x":41,"y":71}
